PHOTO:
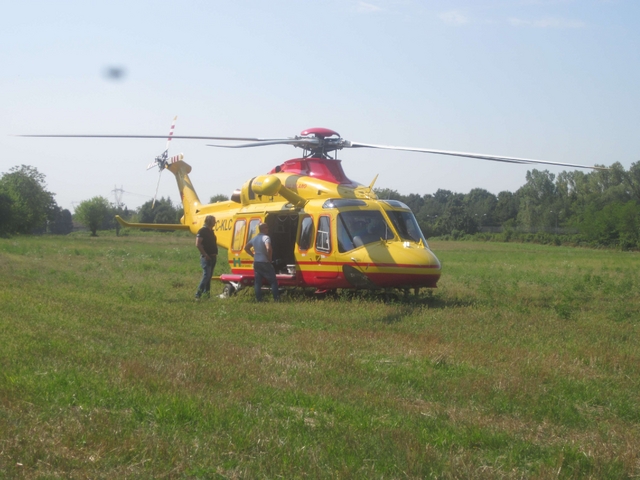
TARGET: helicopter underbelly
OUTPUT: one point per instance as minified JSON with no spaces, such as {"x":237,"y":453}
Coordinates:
{"x":352,"y":277}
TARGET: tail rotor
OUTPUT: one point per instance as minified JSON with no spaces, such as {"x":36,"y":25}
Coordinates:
{"x":162,"y":161}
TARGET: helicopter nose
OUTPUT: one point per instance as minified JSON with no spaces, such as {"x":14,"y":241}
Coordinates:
{"x":393,"y":265}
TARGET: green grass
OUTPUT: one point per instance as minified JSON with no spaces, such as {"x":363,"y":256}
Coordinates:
{"x":523,"y":364}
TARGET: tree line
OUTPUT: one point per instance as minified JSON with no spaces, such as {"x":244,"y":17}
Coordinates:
{"x":28,"y":207}
{"x":596,"y":208}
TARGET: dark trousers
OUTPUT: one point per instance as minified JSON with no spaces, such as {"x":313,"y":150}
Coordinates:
{"x":207,"y":272}
{"x":264,"y":270}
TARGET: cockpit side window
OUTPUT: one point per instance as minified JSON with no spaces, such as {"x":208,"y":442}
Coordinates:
{"x":323,"y":237}
{"x":407,"y":226}
{"x":361,"y":227}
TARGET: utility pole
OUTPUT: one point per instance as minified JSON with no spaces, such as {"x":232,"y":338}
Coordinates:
{"x":117,"y":193}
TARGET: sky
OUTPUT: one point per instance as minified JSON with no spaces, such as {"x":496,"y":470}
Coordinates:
{"x":556,"y":80}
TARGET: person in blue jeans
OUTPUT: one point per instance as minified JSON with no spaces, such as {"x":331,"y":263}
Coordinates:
{"x":259,"y":247}
{"x":207,"y":244}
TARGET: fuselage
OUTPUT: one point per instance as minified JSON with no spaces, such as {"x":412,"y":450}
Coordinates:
{"x":327,"y":231}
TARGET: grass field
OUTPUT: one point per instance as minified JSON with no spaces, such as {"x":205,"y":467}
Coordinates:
{"x":525,"y":363}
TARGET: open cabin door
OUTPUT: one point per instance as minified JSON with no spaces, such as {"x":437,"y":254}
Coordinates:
{"x":283,"y":228}
{"x":282,"y":231}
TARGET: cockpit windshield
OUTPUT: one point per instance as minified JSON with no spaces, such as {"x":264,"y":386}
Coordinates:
{"x":360,"y":227}
{"x":406,"y":226}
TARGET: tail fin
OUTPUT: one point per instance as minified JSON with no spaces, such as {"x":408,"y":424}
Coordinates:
{"x":190,"y":201}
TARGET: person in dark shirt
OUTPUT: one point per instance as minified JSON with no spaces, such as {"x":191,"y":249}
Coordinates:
{"x":206,"y":243}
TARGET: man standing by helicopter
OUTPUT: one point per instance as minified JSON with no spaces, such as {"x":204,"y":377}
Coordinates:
{"x":207,"y":244}
{"x":262,"y":267}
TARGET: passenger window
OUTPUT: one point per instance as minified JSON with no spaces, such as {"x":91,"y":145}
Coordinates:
{"x":238,"y":235}
{"x":253,"y":228}
{"x":323,"y":238}
{"x":306,"y":233}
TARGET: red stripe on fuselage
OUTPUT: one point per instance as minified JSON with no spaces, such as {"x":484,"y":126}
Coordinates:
{"x":353,"y":264}
{"x":367,"y":265}
{"x":308,"y":276}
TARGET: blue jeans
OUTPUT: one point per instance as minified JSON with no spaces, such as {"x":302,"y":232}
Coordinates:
{"x":207,"y":273}
{"x":265,"y":270}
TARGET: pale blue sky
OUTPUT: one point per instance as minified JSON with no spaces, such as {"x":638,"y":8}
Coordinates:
{"x":556,"y":80}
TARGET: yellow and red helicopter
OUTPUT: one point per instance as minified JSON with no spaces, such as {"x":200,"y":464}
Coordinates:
{"x":328,"y":232}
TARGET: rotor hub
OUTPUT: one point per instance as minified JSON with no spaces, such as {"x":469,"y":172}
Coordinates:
{"x":319,"y":132}
{"x":318,"y":142}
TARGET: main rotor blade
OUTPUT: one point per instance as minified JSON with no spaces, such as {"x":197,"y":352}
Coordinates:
{"x":238,"y":139}
{"x":289,"y":141}
{"x":304,"y":142}
{"x":495,"y":158}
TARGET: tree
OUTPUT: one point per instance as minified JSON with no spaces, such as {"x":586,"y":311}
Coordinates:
{"x":92,"y":213}
{"x":456,"y":220}
{"x":480,"y":205}
{"x":23,"y":190}
{"x":387,"y":194}
{"x":414,"y":201}
{"x":431,"y":214}
{"x":615,"y":224}
{"x":506,"y":207}
{"x":219,"y":198}
{"x":60,"y":222}
{"x":162,"y":212}
{"x":610,"y":185}
{"x":537,"y":198}
{"x":121,"y":211}
{"x":632,"y":180}
{"x":443,"y":196}
{"x":6,"y":220}
{"x":165,"y":214}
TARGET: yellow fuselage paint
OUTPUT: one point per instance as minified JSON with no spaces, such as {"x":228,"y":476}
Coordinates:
{"x":387,"y":263}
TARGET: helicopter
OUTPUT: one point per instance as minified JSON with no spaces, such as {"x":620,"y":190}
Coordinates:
{"x":328,"y":232}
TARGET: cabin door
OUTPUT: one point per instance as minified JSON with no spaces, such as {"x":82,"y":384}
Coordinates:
{"x":282,"y":230}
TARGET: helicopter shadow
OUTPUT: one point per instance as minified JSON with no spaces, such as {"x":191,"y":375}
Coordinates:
{"x":409,"y":306}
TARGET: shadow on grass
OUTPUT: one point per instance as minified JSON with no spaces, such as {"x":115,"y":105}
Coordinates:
{"x":409,"y":306}
{"x":408,"y":302}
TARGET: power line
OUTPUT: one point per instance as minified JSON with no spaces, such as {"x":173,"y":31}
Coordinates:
{"x":138,"y":194}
